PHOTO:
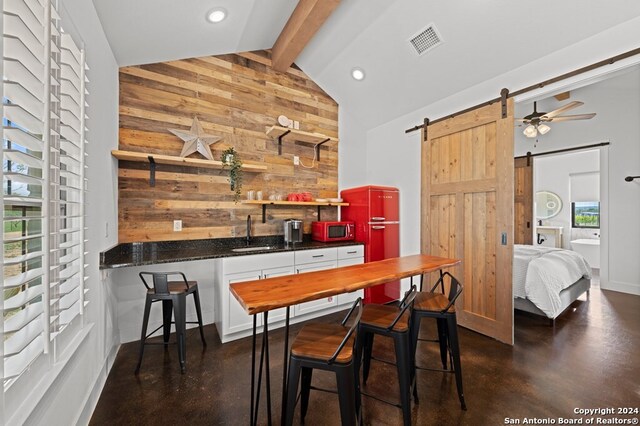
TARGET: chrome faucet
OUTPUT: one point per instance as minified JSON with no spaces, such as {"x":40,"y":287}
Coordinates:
{"x":248,"y":229}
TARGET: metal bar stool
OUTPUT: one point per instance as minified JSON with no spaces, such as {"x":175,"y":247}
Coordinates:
{"x":173,"y":295}
{"x":326,"y":347}
{"x":392,"y":321}
{"x":441,"y":307}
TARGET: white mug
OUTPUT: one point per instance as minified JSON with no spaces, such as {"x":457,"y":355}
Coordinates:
{"x":259,"y":195}
{"x":251,"y":195}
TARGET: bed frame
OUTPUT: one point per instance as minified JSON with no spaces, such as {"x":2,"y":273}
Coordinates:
{"x":567,"y":296}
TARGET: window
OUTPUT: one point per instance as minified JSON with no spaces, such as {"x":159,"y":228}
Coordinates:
{"x":585,"y":214}
{"x":44,"y":126}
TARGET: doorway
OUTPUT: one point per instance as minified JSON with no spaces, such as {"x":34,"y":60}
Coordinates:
{"x":615,"y":98}
{"x":567,"y":203}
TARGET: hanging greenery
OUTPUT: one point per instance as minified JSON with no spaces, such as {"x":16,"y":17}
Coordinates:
{"x":231,"y":159}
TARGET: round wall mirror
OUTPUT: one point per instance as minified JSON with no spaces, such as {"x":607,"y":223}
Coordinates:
{"x":548,"y":204}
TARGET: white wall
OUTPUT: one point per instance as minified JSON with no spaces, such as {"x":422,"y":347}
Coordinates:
{"x":73,"y":394}
{"x":388,"y":145}
{"x":553,"y":173}
{"x":352,"y":164}
{"x":130,"y":294}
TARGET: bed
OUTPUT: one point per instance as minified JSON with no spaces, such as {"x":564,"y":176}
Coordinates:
{"x":547,"y":280}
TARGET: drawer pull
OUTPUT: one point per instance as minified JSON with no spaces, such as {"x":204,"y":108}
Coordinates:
{"x":318,"y":255}
{"x":352,"y":252}
{"x":377,"y":227}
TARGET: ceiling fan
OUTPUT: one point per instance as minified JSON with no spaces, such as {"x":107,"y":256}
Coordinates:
{"x":536,"y":120}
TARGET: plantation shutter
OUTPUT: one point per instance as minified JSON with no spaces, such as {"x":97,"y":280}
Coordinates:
{"x":23,"y":127}
{"x":69,"y":293}
{"x":43,"y":153}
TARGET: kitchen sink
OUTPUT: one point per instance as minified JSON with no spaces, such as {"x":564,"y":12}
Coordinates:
{"x":245,"y":249}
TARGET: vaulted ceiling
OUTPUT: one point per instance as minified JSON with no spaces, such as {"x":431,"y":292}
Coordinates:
{"x":482,"y":39}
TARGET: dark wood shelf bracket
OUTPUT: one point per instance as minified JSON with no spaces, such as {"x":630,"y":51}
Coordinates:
{"x":318,"y":151}
{"x":264,"y":213}
{"x":280,"y":142}
{"x":152,"y":171}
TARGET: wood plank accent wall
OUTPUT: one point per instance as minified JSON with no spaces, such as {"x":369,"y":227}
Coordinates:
{"x":238,"y":97}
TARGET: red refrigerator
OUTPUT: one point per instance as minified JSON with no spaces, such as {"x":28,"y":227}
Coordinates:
{"x":375,"y":211}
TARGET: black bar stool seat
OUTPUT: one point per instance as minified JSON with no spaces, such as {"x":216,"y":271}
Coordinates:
{"x":329,"y":347}
{"x":319,"y":341}
{"x":173,"y":295}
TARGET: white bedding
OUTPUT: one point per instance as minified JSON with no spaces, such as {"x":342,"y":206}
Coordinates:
{"x":541,"y":273}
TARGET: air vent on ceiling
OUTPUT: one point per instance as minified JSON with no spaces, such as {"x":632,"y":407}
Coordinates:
{"x":426,"y":39}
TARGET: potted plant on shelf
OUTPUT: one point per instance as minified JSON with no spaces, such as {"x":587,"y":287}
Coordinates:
{"x":231,"y":159}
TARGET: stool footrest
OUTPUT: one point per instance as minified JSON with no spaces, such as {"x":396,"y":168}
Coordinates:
{"x":395,"y":404}
{"x":323,"y":390}
{"x":148,"y":335}
{"x":383,"y":360}
{"x":429,"y":340}
{"x":442,"y":370}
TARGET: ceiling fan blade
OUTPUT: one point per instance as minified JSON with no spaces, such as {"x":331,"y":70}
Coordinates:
{"x":573,"y":117}
{"x":556,"y":112}
{"x":521,"y":120}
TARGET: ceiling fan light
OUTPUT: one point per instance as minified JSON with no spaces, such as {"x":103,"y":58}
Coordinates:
{"x":530,"y":131}
{"x":543,"y":128}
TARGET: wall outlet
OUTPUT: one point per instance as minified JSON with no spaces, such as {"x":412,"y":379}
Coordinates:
{"x":177,"y":225}
{"x":296,"y":160}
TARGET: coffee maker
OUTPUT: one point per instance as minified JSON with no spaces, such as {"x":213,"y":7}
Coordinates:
{"x":293,"y":231}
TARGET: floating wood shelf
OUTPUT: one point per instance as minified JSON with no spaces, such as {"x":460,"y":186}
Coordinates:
{"x":154,"y":159}
{"x":265,"y":203}
{"x":287,"y":134}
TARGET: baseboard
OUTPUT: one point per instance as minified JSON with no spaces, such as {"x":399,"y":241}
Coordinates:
{"x":621,"y":287}
{"x":92,"y":399}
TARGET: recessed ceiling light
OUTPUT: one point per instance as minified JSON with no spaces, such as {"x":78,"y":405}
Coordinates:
{"x":216,"y":15}
{"x":357,"y":74}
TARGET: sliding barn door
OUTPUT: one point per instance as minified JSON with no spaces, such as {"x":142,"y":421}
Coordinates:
{"x":523,"y":198}
{"x":467,"y":211}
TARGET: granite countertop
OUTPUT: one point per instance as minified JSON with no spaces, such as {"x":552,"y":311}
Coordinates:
{"x":138,"y":254}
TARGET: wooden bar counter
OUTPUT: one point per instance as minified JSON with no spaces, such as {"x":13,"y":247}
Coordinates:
{"x":264,"y":295}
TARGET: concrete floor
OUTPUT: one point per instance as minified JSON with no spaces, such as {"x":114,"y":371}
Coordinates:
{"x":589,"y":360}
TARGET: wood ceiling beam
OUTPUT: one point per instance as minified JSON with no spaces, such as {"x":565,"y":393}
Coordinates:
{"x":563,"y":96}
{"x":304,"y":22}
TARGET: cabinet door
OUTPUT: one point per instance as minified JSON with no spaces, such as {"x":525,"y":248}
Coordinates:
{"x":350,"y":297}
{"x":236,"y":317}
{"x":281,"y":313}
{"x":320,"y":304}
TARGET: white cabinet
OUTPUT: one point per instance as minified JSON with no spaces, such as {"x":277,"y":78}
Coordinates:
{"x":351,"y":252}
{"x":279,"y":314}
{"x":236,"y":318}
{"x":347,"y":256}
{"x":320,"y":304}
{"x":232,"y":321}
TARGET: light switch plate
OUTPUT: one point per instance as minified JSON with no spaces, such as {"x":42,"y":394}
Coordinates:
{"x":177,"y":225}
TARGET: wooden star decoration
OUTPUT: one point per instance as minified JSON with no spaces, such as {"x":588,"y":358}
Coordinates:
{"x":196,"y":140}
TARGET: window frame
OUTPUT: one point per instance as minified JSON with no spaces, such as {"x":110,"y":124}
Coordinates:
{"x":573,"y":216}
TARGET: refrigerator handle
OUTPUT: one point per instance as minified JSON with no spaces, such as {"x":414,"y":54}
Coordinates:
{"x":378,"y":227}
{"x":378,"y":218}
